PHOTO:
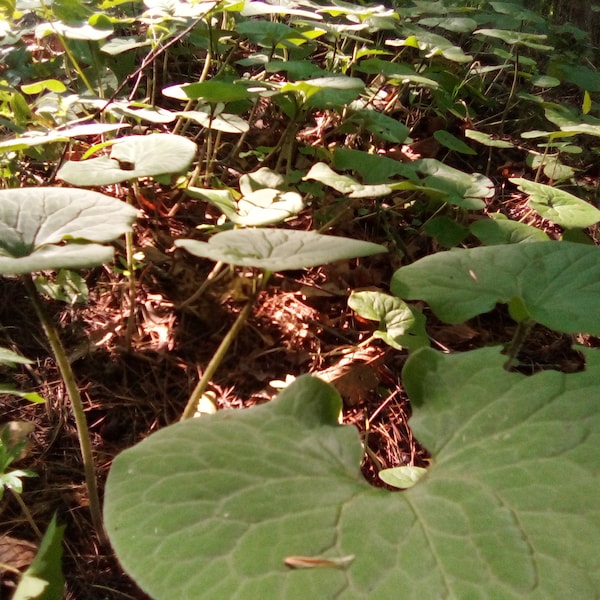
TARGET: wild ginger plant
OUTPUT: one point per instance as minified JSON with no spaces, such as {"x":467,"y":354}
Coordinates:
{"x":46,"y":229}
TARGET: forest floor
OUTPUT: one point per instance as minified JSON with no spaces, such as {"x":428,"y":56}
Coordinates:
{"x":136,"y":380}
{"x":133,"y":387}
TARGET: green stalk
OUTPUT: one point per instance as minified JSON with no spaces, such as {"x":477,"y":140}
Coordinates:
{"x":219,"y":355}
{"x":83,"y":434}
{"x":523,"y":329}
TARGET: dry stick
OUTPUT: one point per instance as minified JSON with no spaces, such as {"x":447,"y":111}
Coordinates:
{"x":219,"y":355}
{"x":83,"y":434}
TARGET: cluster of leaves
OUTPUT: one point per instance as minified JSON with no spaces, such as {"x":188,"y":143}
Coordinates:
{"x":417,"y":110}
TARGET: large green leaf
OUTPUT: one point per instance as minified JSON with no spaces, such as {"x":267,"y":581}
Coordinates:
{"x":278,"y":249}
{"x":35,"y":223}
{"x":558,"y":282}
{"x":213,"y":507}
{"x":132,"y":157}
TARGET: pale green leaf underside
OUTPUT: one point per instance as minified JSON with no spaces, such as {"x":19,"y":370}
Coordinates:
{"x":34,"y":221}
{"x":559,"y":283}
{"x":132,"y":157}
{"x":278,"y":249}
{"x":212,"y":507}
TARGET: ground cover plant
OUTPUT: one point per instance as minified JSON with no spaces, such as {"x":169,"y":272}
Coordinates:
{"x":393,"y":204}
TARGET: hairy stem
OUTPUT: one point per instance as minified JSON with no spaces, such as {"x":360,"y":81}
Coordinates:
{"x":83,"y":434}
{"x":219,"y":355}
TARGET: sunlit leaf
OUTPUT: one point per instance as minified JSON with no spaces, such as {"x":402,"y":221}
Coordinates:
{"x":35,"y":223}
{"x":132,"y":157}
{"x":344,"y":183}
{"x":278,"y":249}
{"x":558,"y":206}
{"x":221,"y":122}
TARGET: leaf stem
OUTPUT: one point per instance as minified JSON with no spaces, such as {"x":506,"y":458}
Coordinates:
{"x":219,"y":355}
{"x":513,"y":347}
{"x":83,"y":434}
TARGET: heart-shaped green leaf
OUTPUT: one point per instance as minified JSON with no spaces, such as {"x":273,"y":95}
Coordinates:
{"x":218,"y":507}
{"x":278,"y":249}
{"x":558,"y":206}
{"x":454,"y":186}
{"x":132,"y":157}
{"x":35,"y":223}
{"x":559,"y":283}
{"x":400,"y":326}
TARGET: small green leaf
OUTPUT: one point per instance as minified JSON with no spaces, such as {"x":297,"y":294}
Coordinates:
{"x":373,"y":168}
{"x":559,"y":283}
{"x":446,"y":231}
{"x":452,"y":142}
{"x":544,"y":81}
{"x":215,"y":90}
{"x":52,"y":85}
{"x":487,"y":140}
{"x":69,"y":287}
{"x":344,"y":183}
{"x":381,"y":126}
{"x":44,"y":580}
{"x":278,"y":249}
{"x":454,"y":187}
{"x":530,"y":40}
{"x":402,"y":477}
{"x":269,"y":33}
{"x":517,"y":309}
{"x":132,"y":157}
{"x":558,"y":206}
{"x":395,"y":71}
{"x":29,"y":396}
{"x":10,"y":358}
{"x":587,"y":103}
{"x":399,"y":325}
